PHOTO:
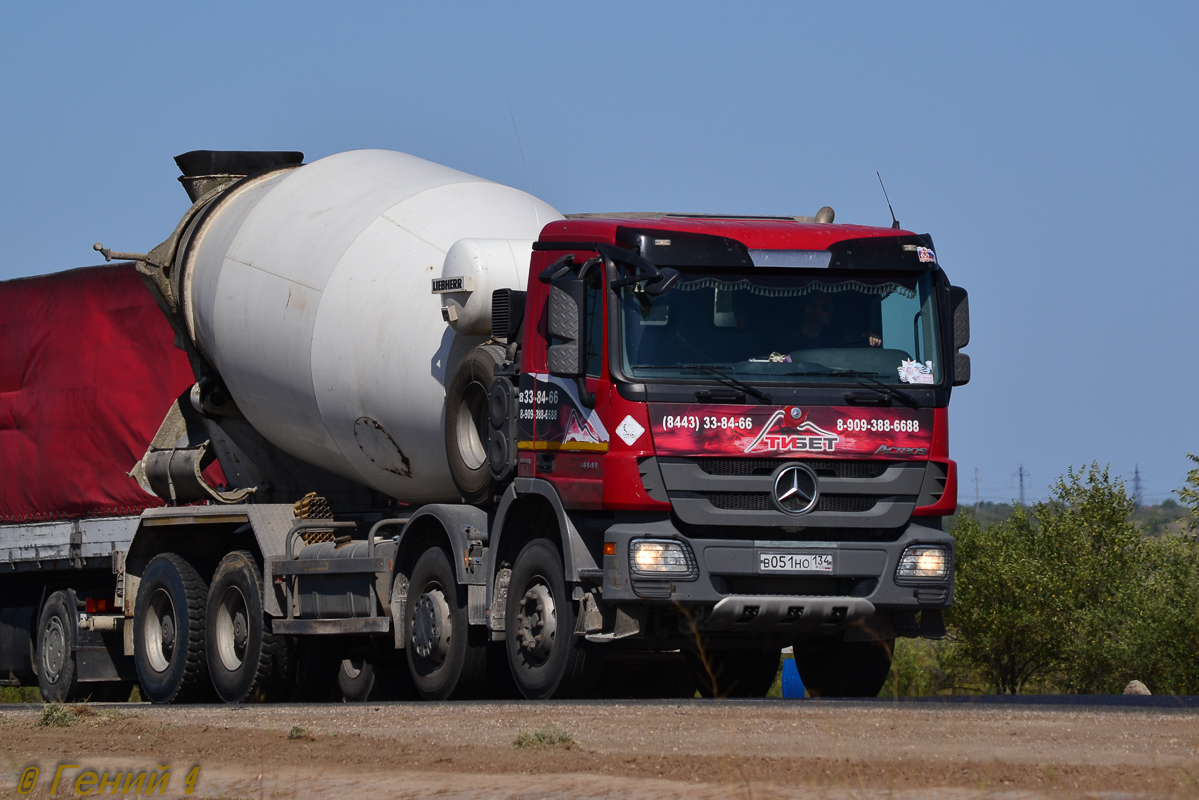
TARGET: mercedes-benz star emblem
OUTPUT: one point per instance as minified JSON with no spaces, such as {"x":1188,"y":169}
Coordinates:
{"x":795,"y":489}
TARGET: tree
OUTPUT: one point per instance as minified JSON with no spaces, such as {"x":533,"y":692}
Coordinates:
{"x":1189,"y":494}
{"x":1070,"y":594}
{"x":1008,"y":612}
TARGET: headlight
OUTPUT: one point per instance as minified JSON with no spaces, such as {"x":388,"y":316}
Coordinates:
{"x":660,"y":557}
{"x":924,"y":563}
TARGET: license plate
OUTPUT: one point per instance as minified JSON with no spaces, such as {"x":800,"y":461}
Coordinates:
{"x":795,"y":562}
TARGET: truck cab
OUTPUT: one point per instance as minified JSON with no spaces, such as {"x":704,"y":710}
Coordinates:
{"x":746,"y":419}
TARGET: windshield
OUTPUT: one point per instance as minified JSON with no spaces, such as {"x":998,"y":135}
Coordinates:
{"x":784,"y":326}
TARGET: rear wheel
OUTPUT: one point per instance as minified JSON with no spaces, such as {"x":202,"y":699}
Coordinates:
{"x":446,"y":657}
{"x":168,"y":631}
{"x":836,"y":668}
{"x":238,"y":638}
{"x":546,"y":658}
{"x":57,"y":637}
{"x":734,"y":673}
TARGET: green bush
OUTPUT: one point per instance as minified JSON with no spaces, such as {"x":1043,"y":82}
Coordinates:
{"x":1068,"y":595}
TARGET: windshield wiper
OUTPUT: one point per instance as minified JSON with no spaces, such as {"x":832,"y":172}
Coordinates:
{"x":878,"y":386}
{"x":729,"y":380}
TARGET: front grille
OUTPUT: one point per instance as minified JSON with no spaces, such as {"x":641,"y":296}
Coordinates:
{"x":846,"y":503}
{"x":783,"y":585}
{"x":760,"y":501}
{"x":740,"y":501}
{"x":824,"y":468}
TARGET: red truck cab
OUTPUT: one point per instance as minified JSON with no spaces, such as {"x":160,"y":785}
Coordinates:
{"x":747,"y":420}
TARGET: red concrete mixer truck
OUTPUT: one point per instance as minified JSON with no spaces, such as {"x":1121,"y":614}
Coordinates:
{"x":392,"y":427}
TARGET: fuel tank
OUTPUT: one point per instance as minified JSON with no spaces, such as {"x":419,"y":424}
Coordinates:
{"x":310,"y":291}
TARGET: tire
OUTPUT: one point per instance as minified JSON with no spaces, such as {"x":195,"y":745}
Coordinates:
{"x":57,"y":638}
{"x":734,"y":673}
{"x":168,"y":632}
{"x":238,"y":638}
{"x":356,"y":681}
{"x":546,"y":658}
{"x":836,"y":668}
{"x":374,"y":680}
{"x":447,"y":659}
{"x":467,"y":433}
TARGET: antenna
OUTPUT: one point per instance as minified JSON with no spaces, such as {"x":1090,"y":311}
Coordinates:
{"x":894,"y":222}
{"x":520,"y":147}
{"x":1137,"y":496}
{"x":976,"y":488}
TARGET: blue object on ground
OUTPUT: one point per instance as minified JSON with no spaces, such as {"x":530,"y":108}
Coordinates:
{"x":792,"y":683}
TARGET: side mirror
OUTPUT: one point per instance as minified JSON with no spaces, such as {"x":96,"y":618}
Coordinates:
{"x":959,"y":301}
{"x":564,"y":324}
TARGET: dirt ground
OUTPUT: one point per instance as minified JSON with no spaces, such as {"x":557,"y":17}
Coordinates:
{"x":682,"y":749}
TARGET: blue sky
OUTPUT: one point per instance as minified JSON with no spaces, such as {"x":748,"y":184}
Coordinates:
{"x":1050,"y":149}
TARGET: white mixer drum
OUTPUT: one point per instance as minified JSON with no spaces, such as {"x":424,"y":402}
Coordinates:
{"x":309,"y":291}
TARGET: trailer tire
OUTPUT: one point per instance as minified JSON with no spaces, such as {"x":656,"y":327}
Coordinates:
{"x":467,"y":429}
{"x":838,"y":668}
{"x":734,"y":673}
{"x":547,"y":659}
{"x":57,"y":638}
{"x":447,"y":658}
{"x":238,"y":637}
{"x":168,"y":631}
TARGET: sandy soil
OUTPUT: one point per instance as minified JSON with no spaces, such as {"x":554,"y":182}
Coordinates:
{"x":750,"y":749}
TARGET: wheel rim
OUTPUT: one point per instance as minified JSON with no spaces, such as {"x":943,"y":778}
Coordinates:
{"x":161,"y":630}
{"x":472,"y":421}
{"x":537,"y":623}
{"x":431,"y":628}
{"x":232,"y":629}
{"x":54,"y":649}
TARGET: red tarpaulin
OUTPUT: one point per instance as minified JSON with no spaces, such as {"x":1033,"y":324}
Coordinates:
{"x":88,"y":370}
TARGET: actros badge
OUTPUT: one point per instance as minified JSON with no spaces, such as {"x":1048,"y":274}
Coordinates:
{"x":795,"y":489}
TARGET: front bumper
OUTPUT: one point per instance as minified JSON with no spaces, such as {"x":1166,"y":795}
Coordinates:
{"x":728,"y":588}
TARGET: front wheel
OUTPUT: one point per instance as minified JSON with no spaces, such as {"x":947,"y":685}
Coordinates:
{"x":57,"y":636}
{"x":546,"y":658}
{"x":446,"y":658}
{"x":168,"y":631}
{"x":836,"y":668}
{"x":734,"y":673}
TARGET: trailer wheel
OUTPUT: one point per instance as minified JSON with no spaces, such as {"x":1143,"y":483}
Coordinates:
{"x":546,"y":658}
{"x":238,"y":639}
{"x":467,"y":432}
{"x":734,"y":673}
{"x":57,"y":637}
{"x":836,"y":668}
{"x":446,"y":658}
{"x":168,"y":631}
